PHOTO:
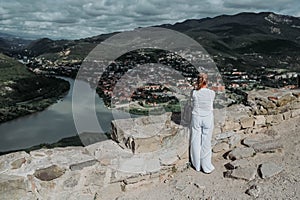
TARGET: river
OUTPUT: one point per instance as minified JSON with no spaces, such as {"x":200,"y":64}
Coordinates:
{"x":52,"y":124}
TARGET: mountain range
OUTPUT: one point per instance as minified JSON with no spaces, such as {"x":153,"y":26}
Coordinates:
{"x":246,"y":41}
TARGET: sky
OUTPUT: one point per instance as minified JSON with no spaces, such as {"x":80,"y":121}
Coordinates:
{"x":74,"y":19}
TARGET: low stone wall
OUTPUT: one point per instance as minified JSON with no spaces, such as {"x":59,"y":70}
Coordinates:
{"x":273,"y":101}
{"x":102,"y":170}
{"x":248,"y":121}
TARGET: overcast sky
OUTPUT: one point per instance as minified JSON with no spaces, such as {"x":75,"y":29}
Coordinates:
{"x":74,"y":19}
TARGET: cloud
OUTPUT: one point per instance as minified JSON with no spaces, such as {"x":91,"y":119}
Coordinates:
{"x":73,"y":19}
{"x":256,"y":4}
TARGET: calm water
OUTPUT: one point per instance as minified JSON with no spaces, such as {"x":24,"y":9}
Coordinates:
{"x":52,"y":124}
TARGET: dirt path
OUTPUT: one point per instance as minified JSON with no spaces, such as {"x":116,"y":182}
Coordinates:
{"x":197,"y":185}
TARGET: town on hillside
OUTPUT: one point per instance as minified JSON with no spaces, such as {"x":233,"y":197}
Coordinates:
{"x":144,"y":88}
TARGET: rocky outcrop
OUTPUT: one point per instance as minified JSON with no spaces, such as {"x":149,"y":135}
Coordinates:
{"x":273,"y":101}
{"x":144,"y":134}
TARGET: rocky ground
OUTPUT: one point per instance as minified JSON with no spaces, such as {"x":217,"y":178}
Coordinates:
{"x":255,"y":153}
{"x":283,"y":167}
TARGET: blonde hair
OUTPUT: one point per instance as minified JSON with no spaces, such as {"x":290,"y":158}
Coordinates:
{"x":201,"y":80}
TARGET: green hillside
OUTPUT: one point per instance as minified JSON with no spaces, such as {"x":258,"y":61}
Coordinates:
{"x":11,"y":70}
{"x":22,"y":92}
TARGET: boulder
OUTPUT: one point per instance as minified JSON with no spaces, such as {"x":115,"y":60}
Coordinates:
{"x":267,"y":146}
{"x":240,"y":153}
{"x":245,"y":173}
{"x":269,"y":169}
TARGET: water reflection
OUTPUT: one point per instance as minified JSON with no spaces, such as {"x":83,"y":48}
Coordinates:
{"x":50,"y":125}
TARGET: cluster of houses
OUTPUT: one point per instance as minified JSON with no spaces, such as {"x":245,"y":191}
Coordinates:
{"x":138,"y":73}
{"x":171,"y":71}
{"x":245,"y":81}
{"x":41,"y":65}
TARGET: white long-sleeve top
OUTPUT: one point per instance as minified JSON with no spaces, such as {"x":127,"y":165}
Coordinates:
{"x":202,"y":101}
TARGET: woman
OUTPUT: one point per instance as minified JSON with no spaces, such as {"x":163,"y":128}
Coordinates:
{"x":202,"y":125}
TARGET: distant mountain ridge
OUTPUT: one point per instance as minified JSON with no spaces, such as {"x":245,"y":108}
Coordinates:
{"x":233,"y":37}
{"x":11,"y":44}
{"x":229,"y":30}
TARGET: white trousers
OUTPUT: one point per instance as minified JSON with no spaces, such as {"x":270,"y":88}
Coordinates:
{"x":200,"y":147}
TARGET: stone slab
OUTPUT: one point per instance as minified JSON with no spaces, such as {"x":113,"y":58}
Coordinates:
{"x":243,"y":173}
{"x":247,"y":122}
{"x":240,"y":153}
{"x":222,"y":146}
{"x":269,"y":169}
{"x":223,"y":136}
